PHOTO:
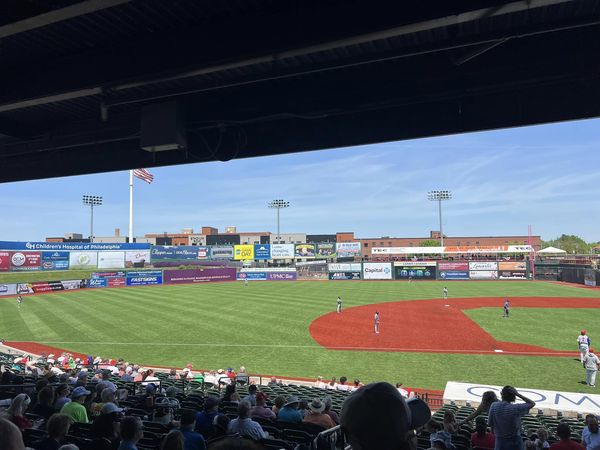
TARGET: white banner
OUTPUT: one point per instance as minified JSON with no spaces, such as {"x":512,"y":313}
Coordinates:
{"x":406,"y":250}
{"x":347,"y":249}
{"x":111,"y":260}
{"x":282,"y":251}
{"x":415,"y":263}
{"x":137,"y":257}
{"x":8,"y":289}
{"x":71,"y":284}
{"x":344,"y":267}
{"x":555,"y":400}
{"x":464,"y":249}
{"x":377,"y":271}
{"x":483,"y":265}
{"x":483,"y":274}
{"x":83,"y":260}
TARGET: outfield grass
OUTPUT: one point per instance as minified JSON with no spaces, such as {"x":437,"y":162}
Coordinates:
{"x":264,"y":326}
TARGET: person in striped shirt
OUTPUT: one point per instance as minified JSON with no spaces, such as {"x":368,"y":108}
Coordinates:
{"x":504,"y":418}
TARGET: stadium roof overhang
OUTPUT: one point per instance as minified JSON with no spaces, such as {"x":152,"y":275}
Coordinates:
{"x":232,"y":79}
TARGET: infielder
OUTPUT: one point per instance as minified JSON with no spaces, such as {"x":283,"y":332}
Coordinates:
{"x":584,"y":342}
{"x":445,"y":293}
{"x":506,"y":308}
{"x":377,"y":318}
{"x":339,"y":305}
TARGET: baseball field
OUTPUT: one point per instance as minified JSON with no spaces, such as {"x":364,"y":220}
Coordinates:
{"x":291,"y":329}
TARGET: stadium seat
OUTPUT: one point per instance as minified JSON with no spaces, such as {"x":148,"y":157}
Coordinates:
{"x":277,"y":444}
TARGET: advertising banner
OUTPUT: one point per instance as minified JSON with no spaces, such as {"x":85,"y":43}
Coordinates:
{"x":111,"y":260}
{"x":4,"y":261}
{"x":416,"y":263}
{"x":243,"y":252}
{"x":348,"y":249}
{"x":252,"y":276}
{"x":450,"y":266}
{"x":83,"y":260}
{"x":98,"y":283}
{"x":262,"y":251}
{"x":199,"y":275}
{"x":144,"y":278}
{"x":581,"y":403}
{"x":454,"y":274}
{"x":24,"y":288}
{"x":512,"y":274}
{"x":116,"y":282}
{"x":513,"y":265}
{"x":69,"y":285}
{"x":108,"y":274}
{"x":414,"y":271}
{"x":221,"y":252}
{"x":344,"y":275}
{"x":55,"y":260}
{"x":25,"y":261}
{"x":305,"y":251}
{"x":325,"y":250}
{"x":377,"y":271}
{"x":8,"y":289}
{"x":344,"y":267}
{"x":69,"y":246}
{"x":137,"y":259}
{"x":483,"y":274}
{"x":282,"y":251}
{"x":483,"y":265}
{"x":203,"y":252}
{"x":282,"y":276}
{"x":181,"y":253}
{"x":46,"y":286}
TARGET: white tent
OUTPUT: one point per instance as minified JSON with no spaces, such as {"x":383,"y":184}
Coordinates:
{"x":552,"y":251}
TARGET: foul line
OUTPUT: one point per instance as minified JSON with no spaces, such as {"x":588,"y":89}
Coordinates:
{"x":382,"y":349}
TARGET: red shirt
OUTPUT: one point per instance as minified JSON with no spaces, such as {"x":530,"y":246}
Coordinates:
{"x":487,"y":441}
{"x":567,"y":445}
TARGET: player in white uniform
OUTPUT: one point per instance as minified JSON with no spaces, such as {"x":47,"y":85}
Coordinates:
{"x":376,"y":320}
{"x":339,"y":305}
{"x":584,"y":344}
{"x":445,"y":293}
{"x":19,"y":301}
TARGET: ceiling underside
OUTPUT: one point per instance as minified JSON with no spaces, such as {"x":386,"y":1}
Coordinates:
{"x":265,"y":77}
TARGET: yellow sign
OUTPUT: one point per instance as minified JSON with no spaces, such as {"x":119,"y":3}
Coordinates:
{"x":243,"y":252}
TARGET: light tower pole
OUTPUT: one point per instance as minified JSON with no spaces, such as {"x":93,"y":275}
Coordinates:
{"x":440,"y":196}
{"x":278,"y":204}
{"x":92,"y":200}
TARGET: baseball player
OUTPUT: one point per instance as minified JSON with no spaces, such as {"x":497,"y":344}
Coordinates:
{"x":377,"y":318}
{"x":445,"y":293}
{"x":506,"y":308}
{"x":584,"y":342}
{"x":339,"y":305}
{"x":19,"y":301}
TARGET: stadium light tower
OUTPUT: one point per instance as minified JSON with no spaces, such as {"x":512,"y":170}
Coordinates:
{"x":440,"y":196}
{"x":92,"y":200}
{"x":278,"y":204}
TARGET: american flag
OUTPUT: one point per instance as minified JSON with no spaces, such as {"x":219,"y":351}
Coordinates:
{"x":143,"y":174}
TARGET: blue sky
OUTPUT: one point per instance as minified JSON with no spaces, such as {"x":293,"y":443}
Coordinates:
{"x":503,"y":180}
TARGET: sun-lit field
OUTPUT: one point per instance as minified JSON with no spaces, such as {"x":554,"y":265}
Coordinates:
{"x":265,"y":326}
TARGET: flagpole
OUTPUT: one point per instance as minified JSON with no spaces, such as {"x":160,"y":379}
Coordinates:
{"x":131,"y":206}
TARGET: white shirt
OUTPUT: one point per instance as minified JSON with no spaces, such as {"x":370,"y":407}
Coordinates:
{"x":582,"y":340}
{"x":403,"y":392}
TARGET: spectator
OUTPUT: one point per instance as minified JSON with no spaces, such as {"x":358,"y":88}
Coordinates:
{"x":289,"y":412}
{"x":541,"y":441}
{"x":591,"y":364}
{"x":403,"y":392}
{"x":231,"y":395}
{"x":127,"y":376}
{"x":44,"y":406}
{"x":10,"y":436}
{"x":16,"y":411}
{"x":303,"y":408}
{"x":342,"y":386}
{"x":62,"y":392}
{"x":439,"y":435}
{"x":377,"y":417}
{"x":274,"y":382}
{"x":320,"y":383}
{"x":235,"y":443}
{"x":449,"y":422}
{"x":505,"y":419}
{"x":251,"y":397}
{"x":108,"y":424}
{"x":242,"y":377}
{"x":487,"y":399}
{"x":75,"y":408}
{"x":563,"y":431}
{"x":105,"y":381}
{"x":332,"y":384}
{"x":131,"y":433}
{"x":58,"y":427}
{"x":481,"y":438}
{"x":357,"y":384}
{"x":205,"y":418}
{"x":173,"y":375}
{"x":173,"y":441}
{"x":590,"y":436}
{"x":317,"y":414}
{"x":221,"y":424}
{"x":278,"y":404}
{"x":334,"y":416}
{"x":260,"y":410}
{"x":244,"y":426}
{"x":192,"y":439}
{"x":106,"y":396}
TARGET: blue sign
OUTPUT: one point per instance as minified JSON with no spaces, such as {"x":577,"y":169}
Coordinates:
{"x":98,"y":283}
{"x":454,"y":275}
{"x":55,"y":260}
{"x":256,"y":276}
{"x":144,"y":280}
{"x":120,"y":274}
{"x":262,"y":251}
{"x":144,"y":273}
{"x":62,"y":246}
{"x":184,"y":252}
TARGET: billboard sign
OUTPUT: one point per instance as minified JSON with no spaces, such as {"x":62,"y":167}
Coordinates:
{"x":454,"y":274}
{"x":199,"y":275}
{"x":305,"y":251}
{"x":513,"y":265}
{"x":221,"y":252}
{"x":108,"y":274}
{"x":144,"y":278}
{"x":483,"y":274}
{"x":8,"y":289}
{"x":137,"y":258}
{"x":69,"y":246}
{"x":69,"y":285}
{"x":377,"y":271}
{"x":181,"y":253}
{"x":203,"y":252}
{"x":47,"y":286}
{"x":414,"y":271}
{"x":512,"y":274}
{"x":116,"y":282}
{"x":243,"y":252}
{"x":344,"y":275}
{"x":55,"y":260}
{"x":4,"y":261}
{"x":483,"y":265}
{"x":83,"y":260}
{"x":111,"y":260}
{"x":344,"y":267}
{"x":97,"y":283}
{"x":348,"y":249}
{"x":25,"y":261}
{"x":282,"y":251}
{"x":262,"y":251}
{"x":24,"y":288}
{"x":326,"y":250}
{"x":451,"y":266}
{"x":282,"y":276}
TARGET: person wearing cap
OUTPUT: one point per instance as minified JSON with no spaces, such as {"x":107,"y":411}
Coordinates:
{"x":583,"y":341}
{"x":317,"y":416}
{"x":251,"y":397}
{"x":563,"y":432}
{"x":105,"y":382}
{"x":192,"y":439}
{"x":75,"y":408}
{"x":591,"y":363}
{"x":504,"y":418}
{"x":260,"y":411}
{"x":107,"y":424}
{"x":376,"y":417}
{"x":244,"y":425}
{"x":320,"y":383}
{"x":205,"y":418}
{"x":289,"y":412}
{"x":106,"y":396}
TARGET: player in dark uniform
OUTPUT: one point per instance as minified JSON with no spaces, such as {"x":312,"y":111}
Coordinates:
{"x":339,"y":305}
{"x":506,"y":308}
{"x":19,"y":301}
